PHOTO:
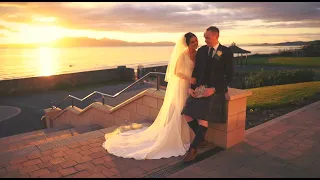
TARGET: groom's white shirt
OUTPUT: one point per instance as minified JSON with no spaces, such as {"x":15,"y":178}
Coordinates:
{"x":215,"y":49}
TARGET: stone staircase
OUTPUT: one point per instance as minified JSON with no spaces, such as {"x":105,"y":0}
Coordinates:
{"x":38,"y":137}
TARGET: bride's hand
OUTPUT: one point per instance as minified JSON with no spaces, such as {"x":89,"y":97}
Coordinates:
{"x":191,"y":92}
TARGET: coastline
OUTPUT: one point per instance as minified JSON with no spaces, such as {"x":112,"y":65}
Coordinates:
{"x":132,"y":66}
{"x":46,"y":83}
{"x":77,"y":80}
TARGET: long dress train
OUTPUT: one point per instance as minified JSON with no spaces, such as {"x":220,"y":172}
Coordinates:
{"x":169,"y":135}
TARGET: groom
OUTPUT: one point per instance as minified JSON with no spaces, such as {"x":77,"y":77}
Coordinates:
{"x":213,"y":70}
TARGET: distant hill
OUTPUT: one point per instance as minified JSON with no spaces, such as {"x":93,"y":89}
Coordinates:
{"x":294,"y":43}
{"x":87,"y":42}
{"x":84,"y":41}
{"x":91,"y":42}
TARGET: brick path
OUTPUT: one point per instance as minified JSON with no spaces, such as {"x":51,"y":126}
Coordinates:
{"x":288,"y":148}
{"x":77,"y":156}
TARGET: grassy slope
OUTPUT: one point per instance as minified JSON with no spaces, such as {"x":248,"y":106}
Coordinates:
{"x":286,"y":61}
{"x":275,"y":96}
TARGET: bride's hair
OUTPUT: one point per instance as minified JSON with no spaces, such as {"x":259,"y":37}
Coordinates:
{"x":188,"y":36}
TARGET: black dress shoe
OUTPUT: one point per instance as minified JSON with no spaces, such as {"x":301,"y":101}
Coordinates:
{"x":191,"y":154}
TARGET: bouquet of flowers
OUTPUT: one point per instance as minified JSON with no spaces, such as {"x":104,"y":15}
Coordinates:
{"x":199,"y":91}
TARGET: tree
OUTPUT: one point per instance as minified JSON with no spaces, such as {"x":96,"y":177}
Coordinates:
{"x":312,"y":49}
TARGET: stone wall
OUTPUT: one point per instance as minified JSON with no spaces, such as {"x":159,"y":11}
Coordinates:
{"x":38,"y":84}
{"x":155,"y":69}
{"x":162,"y":69}
{"x":232,"y":132}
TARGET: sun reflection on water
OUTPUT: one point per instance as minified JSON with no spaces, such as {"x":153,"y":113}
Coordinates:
{"x":47,"y":61}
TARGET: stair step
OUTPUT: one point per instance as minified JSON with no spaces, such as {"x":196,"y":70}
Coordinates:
{"x":19,"y":137}
{"x":44,"y":137}
{"x":93,"y":133}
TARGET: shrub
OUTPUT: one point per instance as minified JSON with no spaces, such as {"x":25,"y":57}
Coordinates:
{"x":286,"y":52}
{"x":312,"y":49}
{"x":270,"y":78}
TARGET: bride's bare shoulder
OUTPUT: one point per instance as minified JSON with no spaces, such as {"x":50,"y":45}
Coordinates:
{"x":184,"y":54}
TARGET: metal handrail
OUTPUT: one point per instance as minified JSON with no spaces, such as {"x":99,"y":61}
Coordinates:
{"x":115,"y":95}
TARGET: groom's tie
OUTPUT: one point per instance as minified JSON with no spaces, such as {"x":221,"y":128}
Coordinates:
{"x":211,"y":52}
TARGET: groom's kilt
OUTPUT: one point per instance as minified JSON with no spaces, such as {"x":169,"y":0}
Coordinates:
{"x":211,"y":109}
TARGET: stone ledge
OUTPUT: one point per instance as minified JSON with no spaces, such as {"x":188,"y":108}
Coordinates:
{"x":238,"y":93}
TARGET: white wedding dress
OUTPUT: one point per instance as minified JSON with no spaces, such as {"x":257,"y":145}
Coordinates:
{"x":169,"y":135}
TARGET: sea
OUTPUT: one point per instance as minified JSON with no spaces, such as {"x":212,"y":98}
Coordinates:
{"x":17,"y":63}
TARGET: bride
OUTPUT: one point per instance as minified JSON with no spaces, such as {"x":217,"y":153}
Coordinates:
{"x":169,"y":135}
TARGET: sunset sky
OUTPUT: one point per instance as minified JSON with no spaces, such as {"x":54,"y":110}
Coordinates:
{"x":243,"y":22}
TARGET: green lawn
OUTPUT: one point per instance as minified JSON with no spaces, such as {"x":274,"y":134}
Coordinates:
{"x":285,"y":61}
{"x":275,"y":96}
{"x":296,"y":61}
{"x":256,"y":60}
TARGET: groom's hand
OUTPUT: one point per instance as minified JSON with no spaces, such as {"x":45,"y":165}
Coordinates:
{"x":209,"y":92}
{"x":191,"y":92}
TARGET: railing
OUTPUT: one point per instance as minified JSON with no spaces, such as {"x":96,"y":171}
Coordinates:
{"x":112,"y":96}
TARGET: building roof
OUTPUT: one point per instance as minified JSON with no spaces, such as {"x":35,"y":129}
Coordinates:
{"x":236,"y":49}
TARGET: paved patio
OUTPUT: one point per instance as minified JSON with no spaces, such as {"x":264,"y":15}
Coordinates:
{"x":285,"y":147}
